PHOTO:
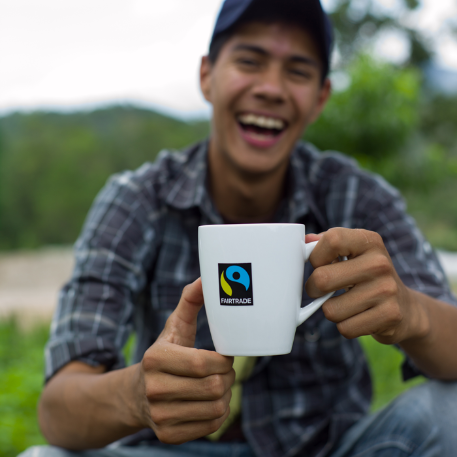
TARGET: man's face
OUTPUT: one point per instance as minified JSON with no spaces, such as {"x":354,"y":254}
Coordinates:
{"x":265,"y":88}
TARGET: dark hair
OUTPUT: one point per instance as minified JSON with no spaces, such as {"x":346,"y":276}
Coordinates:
{"x":268,"y":13}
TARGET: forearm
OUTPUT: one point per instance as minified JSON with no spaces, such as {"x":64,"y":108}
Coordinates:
{"x":435,"y":351}
{"x":82,"y":408}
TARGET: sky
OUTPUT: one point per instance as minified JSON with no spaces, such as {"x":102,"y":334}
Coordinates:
{"x":67,"y":54}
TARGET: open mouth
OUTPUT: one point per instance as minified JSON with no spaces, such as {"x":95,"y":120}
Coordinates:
{"x":261,"y":128}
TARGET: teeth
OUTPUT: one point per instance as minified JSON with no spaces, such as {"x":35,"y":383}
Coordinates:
{"x":261,"y":121}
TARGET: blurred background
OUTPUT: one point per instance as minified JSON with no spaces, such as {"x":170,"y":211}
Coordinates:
{"x":90,"y":88}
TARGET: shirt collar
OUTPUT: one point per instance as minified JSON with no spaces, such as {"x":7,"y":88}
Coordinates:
{"x":189,"y":189}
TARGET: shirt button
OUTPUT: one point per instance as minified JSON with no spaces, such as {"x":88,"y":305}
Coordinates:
{"x":312,"y":335}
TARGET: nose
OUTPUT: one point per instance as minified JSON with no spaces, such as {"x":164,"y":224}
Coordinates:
{"x":270,"y":85}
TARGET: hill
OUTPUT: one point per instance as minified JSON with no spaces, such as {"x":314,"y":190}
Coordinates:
{"x":52,"y":165}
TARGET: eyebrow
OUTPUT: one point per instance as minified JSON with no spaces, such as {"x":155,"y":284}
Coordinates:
{"x":259,"y":50}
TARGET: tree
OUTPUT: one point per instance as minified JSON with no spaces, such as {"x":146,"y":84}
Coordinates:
{"x":373,"y":117}
{"x":358,"y":22}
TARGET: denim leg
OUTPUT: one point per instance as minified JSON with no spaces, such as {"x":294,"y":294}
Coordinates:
{"x":420,"y":423}
{"x":192,"y":449}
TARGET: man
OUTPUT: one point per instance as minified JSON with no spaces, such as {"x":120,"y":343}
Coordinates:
{"x":266,"y":77}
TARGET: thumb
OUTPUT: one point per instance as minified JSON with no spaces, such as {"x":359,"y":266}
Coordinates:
{"x":181,"y":326}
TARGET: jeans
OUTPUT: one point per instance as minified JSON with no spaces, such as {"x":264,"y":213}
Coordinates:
{"x":422,"y":422}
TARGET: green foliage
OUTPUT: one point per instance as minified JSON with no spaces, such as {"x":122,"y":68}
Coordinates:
{"x":391,"y":128}
{"x":359,"y":22}
{"x":439,"y":120}
{"x":22,"y":375}
{"x":374,"y":116}
{"x":385,"y":366}
{"x":54,"y":165}
{"x":21,"y":367}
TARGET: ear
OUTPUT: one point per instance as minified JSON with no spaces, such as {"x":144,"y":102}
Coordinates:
{"x":322,"y":98}
{"x":205,"y":78}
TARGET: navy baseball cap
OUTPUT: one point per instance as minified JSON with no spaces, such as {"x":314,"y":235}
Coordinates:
{"x":309,"y":13}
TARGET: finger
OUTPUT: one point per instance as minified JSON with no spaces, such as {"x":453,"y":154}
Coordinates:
{"x":339,"y":275}
{"x":339,"y":242}
{"x":169,"y":414}
{"x":312,"y":237}
{"x":181,"y":326}
{"x":359,"y":299}
{"x":379,"y":321}
{"x":164,"y":387}
{"x":182,"y":361}
{"x":188,"y":431}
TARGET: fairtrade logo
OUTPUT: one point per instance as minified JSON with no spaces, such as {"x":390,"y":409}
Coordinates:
{"x":235,"y":284}
{"x":237,"y":274}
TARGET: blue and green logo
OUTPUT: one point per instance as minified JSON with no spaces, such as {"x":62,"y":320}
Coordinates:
{"x":235,"y":284}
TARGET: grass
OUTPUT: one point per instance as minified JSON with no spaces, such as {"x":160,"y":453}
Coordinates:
{"x":21,"y":368}
{"x":21,"y":374}
{"x":385,"y":366}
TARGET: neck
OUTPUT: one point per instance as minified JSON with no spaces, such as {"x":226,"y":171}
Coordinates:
{"x":242,"y":197}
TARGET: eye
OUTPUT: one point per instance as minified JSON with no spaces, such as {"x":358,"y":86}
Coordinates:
{"x":247,"y":61}
{"x":300,"y":73}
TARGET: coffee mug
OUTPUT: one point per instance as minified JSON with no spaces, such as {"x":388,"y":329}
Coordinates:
{"x":252,"y":277}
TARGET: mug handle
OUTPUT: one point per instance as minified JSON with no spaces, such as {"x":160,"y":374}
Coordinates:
{"x":310,"y":309}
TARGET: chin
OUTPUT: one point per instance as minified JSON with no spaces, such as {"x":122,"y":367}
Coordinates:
{"x":258,"y":164}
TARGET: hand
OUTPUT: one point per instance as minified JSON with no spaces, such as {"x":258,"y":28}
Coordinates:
{"x":184,"y":392}
{"x":377,"y":302}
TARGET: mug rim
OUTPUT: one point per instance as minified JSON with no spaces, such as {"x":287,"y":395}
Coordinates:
{"x":274,"y":224}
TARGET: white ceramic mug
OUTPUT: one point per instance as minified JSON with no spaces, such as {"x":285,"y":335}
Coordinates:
{"x":252,"y":277}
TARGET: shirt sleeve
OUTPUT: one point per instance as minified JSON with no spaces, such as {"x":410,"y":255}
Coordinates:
{"x":360,"y":200}
{"x":94,"y":315}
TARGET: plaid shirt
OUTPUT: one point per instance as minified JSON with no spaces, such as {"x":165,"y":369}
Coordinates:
{"x":138,"y":249}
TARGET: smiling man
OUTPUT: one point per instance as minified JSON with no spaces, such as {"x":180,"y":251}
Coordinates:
{"x":137,"y":269}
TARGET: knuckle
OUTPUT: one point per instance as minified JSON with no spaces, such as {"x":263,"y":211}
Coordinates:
{"x":214,"y":425}
{"x":216,"y":386}
{"x":150,"y":360}
{"x":166,"y":436}
{"x":333,"y":238}
{"x":229,"y":397}
{"x":199,"y":365}
{"x":329,"y":311}
{"x":346,"y":331}
{"x":153,"y":391}
{"x":158,"y":417}
{"x":389,"y":333}
{"x":321,"y":279}
{"x":186,"y":290}
{"x":394,"y":313}
{"x":372,"y":236}
{"x":232,"y":377}
{"x":388,"y":288}
{"x":382,"y":265}
{"x":376,"y":238}
{"x":219,"y":408}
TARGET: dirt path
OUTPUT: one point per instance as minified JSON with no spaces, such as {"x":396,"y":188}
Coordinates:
{"x":30,"y":281}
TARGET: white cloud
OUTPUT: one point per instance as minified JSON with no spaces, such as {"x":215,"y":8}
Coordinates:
{"x":55,"y":52}
{"x":447,"y":53}
{"x":393,"y":46}
{"x":100,"y":50}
